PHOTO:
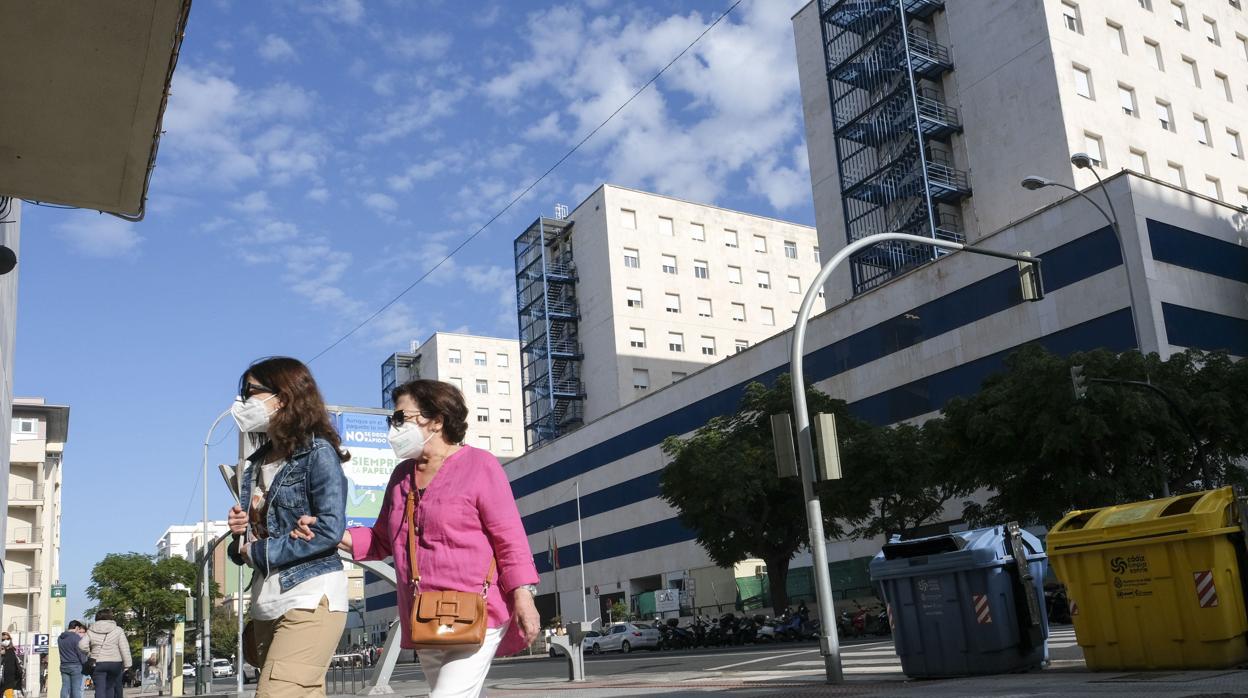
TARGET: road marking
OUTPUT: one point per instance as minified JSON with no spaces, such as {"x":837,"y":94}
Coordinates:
{"x":762,"y":659}
{"x":850,"y":661}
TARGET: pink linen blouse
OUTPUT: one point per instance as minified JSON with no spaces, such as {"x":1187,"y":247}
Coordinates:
{"x":466,"y":514}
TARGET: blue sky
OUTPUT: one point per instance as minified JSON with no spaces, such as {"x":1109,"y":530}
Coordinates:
{"x":321,"y":155}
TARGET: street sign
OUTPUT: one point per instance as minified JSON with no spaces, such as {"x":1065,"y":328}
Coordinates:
{"x":58,"y":591}
{"x":41,"y":643}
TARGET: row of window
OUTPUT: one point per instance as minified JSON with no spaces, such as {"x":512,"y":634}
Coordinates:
{"x":676,"y":340}
{"x":479,"y":358}
{"x":1175,"y":174}
{"x":504,"y":415}
{"x":697,"y":232}
{"x":22,"y":425}
{"x":702,"y":270}
{"x":506,"y":444}
{"x":1073,"y":19}
{"x":482,"y":386}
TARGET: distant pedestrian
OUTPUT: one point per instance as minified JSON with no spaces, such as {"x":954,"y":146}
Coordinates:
{"x":72,"y":659}
{"x":299,"y":590}
{"x":10,"y":666}
{"x":107,"y":645}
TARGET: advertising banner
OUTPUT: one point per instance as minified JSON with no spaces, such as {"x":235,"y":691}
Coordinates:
{"x":364,"y":435}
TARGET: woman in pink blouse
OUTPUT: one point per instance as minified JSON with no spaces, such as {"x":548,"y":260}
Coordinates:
{"x":466,"y":515}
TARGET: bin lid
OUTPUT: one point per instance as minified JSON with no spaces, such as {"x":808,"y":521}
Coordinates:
{"x":983,"y":547}
{"x":1195,"y":514}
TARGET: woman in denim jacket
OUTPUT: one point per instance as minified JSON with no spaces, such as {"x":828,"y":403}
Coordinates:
{"x":299,"y":587}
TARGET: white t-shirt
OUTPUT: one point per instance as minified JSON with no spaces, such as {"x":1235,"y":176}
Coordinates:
{"x":268,"y":601}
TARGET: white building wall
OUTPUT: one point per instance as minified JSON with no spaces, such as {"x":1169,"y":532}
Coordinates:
{"x":10,"y":237}
{"x":504,"y":439}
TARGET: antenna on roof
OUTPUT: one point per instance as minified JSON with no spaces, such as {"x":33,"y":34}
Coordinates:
{"x":561,"y":211}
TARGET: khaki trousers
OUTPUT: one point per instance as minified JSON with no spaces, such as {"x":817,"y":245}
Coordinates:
{"x":295,"y":650}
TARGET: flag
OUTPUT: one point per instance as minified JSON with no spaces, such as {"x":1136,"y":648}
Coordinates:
{"x":552,"y":549}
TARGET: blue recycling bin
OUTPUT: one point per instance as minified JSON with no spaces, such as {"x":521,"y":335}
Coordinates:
{"x":959,"y":603}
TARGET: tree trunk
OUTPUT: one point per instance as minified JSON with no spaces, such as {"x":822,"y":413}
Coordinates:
{"x":777,"y":579}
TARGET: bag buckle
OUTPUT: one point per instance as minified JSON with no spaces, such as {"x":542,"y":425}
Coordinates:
{"x":447,"y":609}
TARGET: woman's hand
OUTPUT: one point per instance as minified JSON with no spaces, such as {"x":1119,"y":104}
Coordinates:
{"x":244,"y":551}
{"x":526,"y":615}
{"x":303,"y":528}
{"x":237,"y":520}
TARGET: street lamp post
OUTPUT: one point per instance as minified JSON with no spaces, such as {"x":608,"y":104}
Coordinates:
{"x":204,"y":655}
{"x":1081,"y":160}
{"x":829,"y":644}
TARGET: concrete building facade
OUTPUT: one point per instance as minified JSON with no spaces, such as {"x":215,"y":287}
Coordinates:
{"x":10,"y":237}
{"x":633,"y":291}
{"x":33,"y":520}
{"x":897,"y":352}
{"x":485,"y":369}
{"x":987,"y":93}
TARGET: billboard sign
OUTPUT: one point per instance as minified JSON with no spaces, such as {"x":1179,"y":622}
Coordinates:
{"x":365,"y":435}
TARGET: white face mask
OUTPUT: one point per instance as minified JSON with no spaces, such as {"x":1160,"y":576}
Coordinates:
{"x":6,"y":643}
{"x":408,"y":441}
{"x":251,"y":415}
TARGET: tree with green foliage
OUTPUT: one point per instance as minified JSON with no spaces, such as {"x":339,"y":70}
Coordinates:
{"x":1041,"y":451}
{"x":137,"y":588}
{"x":224,"y":632}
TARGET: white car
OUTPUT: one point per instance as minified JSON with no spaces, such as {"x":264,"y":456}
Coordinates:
{"x":188,"y":670}
{"x":624,"y":637}
{"x":221,"y":668}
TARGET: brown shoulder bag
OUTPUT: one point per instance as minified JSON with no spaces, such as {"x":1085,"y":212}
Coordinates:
{"x":443,"y":619}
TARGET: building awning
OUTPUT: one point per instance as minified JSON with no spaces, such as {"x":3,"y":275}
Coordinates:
{"x":83,"y":88}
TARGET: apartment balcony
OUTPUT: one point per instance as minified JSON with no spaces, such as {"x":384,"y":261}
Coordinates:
{"x":23,"y":538}
{"x":18,"y":624}
{"x":948,"y":184}
{"x":21,"y":582}
{"x":927,"y":58}
{"x":25,"y":495}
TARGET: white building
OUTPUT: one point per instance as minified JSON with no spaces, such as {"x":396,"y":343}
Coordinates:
{"x":10,"y":227}
{"x":1004,"y":90}
{"x":485,"y":369}
{"x":183,"y":540}
{"x":899,"y":351}
{"x":32,"y":534}
{"x":634,"y":291}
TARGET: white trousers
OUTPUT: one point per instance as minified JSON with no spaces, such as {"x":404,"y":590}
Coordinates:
{"x":460,"y":673}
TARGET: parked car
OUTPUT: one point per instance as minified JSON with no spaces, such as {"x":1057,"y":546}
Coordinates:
{"x":251,"y":674}
{"x":626,"y":637}
{"x":587,"y":642}
{"x":221,"y":668}
{"x":188,"y":671}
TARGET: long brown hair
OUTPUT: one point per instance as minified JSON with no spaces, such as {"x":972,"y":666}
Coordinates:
{"x":303,"y":412}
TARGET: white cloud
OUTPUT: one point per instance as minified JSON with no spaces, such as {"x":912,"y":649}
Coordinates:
{"x":255,"y":202}
{"x":425,"y":171}
{"x":546,"y":130}
{"x":100,"y":235}
{"x":420,"y":111}
{"x":320,"y":195}
{"x":345,"y":11}
{"x":381,"y":203}
{"x":424,"y":46}
{"x":275,"y":231}
{"x":275,"y":49}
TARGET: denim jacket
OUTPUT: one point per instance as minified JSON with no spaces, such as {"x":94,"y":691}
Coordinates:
{"x":310,"y":482}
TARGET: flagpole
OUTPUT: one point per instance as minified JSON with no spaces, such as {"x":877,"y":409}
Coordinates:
{"x":580,"y":542}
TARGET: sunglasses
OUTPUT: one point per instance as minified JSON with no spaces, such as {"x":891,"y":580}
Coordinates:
{"x":399,"y":417}
{"x":250,"y":389}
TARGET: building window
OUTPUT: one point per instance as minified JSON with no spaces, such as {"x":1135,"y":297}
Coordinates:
{"x":1139,"y":161}
{"x":669,"y":264}
{"x":795,"y":284}
{"x":708,"y":346}
{"x":1117,"y":38}
{"x":1243,"y":196}
{"x":1237,"y":147}
{"x":790,"y":249}
{"x":23,"y":426}
{"x":453,"y":357}
{"x":704,"y":307}
{"x":1195,"y":70}
{"x":1234,"y":3}
{"x":1155,"y":49}
{"x":634,"y":297}
{"x":678,"y":375}
{"x":1094,"y":148}
{"x":667,"y":227}
{"x":1200,"y":129}
{"x":700,"y":270}
{"x":1070,"y":17}
{"x":1179,"y":13}
{"x":740,"y":346}
{"x":502,"y":360}
{"x":637,"y":337}
{"x":1174,"y":174}
{"x":628,"y":219}
{"x":673,"y":302}
{"x":1126,"y":97}
{"x":1211,"y":32}
{"x":483,"y":442}
{"x":738,"y":312}
{"x":457,"y":382}
{"x":1083,"y":82}
{"x":1213,"y":188}
{"x":1164,"y":115}
{"x":697,"y":232}
{"x":507,"y":444}
{"x":760,"y":243}
{"x":483,"y":387}
{"x":483,"y":414}
{"x":632,"y":259}
{"x":504,"y":387}
{"x":1226,"y":85}
{"x":816,"y":255}
{"x":1243,"y":45}
{"x":675,"y":341}
{"x":734,"y":275}
{"x":763,"y":279}
{"x":769,"y":316}
{"x":504,"y":416}
{"x":1146,"y":5}
{"x":478,"y":358}
{"x":730,"y":238}
{"x":641,"y":379}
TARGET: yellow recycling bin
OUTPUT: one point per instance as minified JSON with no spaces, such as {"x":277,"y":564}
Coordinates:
{"x":1155,"y":584}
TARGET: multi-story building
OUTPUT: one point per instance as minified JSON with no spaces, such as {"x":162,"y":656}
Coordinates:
{"x":32,"y":535}
{"x":183,"y":540}
{"x":10,"y":227}
{"x":922,"y":116}
{"x":633,"y":291}
{"x":485,"y":369}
